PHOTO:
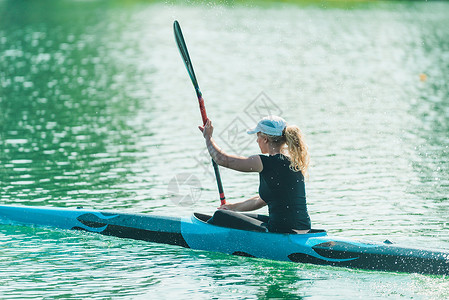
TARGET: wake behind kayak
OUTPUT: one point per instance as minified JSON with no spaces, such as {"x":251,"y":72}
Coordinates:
{"x":193,"y":232}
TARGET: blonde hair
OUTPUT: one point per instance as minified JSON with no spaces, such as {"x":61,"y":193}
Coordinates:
{"x":296,"y":149}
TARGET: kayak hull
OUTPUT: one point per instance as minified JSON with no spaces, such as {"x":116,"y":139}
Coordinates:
{"x":193,"y":232}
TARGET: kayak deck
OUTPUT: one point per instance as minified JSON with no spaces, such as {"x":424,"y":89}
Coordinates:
{"x":193,"y":232}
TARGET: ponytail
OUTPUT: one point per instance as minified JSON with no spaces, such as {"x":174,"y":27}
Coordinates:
{"x":297,"y":149}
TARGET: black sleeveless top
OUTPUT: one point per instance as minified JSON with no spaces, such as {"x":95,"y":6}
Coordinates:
{"x":284,"y":192}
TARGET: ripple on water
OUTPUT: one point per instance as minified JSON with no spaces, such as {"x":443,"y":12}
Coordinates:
{"x":100,"y":113}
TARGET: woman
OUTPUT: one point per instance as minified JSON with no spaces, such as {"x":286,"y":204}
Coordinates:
{"x":281,"y":174}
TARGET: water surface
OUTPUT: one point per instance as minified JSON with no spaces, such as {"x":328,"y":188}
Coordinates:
{"x":97,"y":111}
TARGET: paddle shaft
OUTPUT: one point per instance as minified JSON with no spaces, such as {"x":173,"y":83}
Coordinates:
{"x":188,"y":63}
{"x":214,"y":164}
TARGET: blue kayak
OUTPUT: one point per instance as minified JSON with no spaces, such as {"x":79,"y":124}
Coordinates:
{"x":194,"y":232}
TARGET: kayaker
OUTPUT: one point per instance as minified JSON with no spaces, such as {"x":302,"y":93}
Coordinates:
{"x":281,"y":174}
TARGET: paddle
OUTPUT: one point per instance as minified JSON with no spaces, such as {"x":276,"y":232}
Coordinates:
{"x":188,"y":63}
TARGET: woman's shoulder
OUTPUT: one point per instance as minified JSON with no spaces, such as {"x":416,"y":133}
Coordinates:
{"x":277,"y":156}
{"x":273,"y":160}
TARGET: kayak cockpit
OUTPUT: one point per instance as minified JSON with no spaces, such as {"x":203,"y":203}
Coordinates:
{"x":256,"y":225}
{"x":202,"y":217}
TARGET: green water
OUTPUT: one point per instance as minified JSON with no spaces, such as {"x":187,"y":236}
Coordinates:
{"x":96,"y":110}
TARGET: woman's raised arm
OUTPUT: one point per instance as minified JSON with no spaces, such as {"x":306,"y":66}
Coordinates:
{"x":238,"y":163}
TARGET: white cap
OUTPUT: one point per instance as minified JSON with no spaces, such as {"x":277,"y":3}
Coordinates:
{"x":271,"y":125}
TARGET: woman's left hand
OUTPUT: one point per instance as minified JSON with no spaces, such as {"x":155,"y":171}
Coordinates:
{"x":207,"y":129}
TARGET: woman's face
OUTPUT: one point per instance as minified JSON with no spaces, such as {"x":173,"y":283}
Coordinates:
{"x":263,"y":143}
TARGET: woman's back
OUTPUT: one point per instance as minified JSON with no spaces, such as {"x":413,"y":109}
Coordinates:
{"x":283,"y":190}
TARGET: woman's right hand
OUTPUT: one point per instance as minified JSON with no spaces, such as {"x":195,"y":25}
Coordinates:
{"x":248,"y":205}
{"x":228,"y":206}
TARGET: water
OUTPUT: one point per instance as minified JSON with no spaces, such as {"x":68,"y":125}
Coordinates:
{"x":97,"y":111}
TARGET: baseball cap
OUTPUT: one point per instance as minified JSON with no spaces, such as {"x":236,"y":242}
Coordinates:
{"x":271,"y":125}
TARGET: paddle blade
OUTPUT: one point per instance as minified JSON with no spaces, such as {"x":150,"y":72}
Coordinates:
{"x":185,"y":55}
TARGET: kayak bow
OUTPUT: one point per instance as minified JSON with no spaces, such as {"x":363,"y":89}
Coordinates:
{"x":194,"y":232}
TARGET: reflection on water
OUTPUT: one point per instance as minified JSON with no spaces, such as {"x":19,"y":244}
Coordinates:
{"x":96,"y":109}
{"x":76,"y":264}
{"x":68,"y":108}
{"x":430,"y":107}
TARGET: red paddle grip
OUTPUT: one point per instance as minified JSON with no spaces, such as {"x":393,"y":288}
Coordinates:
{"x":202,"y":109}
